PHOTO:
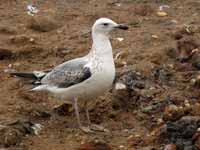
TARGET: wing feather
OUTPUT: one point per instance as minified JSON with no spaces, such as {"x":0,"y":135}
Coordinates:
{"x":68,"y":74}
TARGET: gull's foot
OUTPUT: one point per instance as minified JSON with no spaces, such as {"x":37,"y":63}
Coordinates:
{"x":96,"y":127}
{"x":86,"y":129}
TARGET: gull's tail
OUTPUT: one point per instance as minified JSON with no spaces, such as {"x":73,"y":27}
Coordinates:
{"x":24,"y":75}
{"x":34,"y":77}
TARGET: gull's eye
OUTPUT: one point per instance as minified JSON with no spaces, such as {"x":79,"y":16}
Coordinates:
{"x":105,"y":24}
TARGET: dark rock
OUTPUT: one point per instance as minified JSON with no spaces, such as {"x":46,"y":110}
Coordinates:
{"x":5,"y":54}
{"x":181,"y":132}
{"x":126,"y":98}
{"x":133,"y":80}
{"x":162,"y":74}
{"x":41,"y":114}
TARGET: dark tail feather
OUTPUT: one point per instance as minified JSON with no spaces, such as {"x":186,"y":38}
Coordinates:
{"x":24,"y":75}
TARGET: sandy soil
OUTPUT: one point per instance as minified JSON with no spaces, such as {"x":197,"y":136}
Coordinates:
{"x":159,"y":65}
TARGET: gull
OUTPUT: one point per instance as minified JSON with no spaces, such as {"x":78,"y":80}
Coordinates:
{"x":84,"y":78}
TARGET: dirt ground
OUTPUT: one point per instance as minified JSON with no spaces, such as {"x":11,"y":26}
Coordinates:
{"x":158,"y":65}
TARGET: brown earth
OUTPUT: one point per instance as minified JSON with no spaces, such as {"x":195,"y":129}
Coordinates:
{"x":158,"y":64}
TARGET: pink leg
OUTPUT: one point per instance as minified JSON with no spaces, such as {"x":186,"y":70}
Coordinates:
{"x":75,"y":104}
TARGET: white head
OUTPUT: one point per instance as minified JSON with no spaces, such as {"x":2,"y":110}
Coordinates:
{"x":105,"y":26}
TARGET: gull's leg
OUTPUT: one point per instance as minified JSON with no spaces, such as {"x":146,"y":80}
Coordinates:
{"x":75,"y":104}
{"x":87,"y":114}
{"x":94,"y":127}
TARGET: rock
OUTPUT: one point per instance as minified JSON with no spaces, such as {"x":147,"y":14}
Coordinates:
{"x":154,"y":36}
{"x":161,"y":14}
{"x":5,"y":54}
{"x":186,"y":30}
{"x":195,"y":60}
{"x":132,"y":80}
{"x":120,"y":86}
{"x":195,"y":110}
{"x":127,"y":90}
{"x":162,"y":74}
{"x":140,"y":140}
{"x":185,"y":47}
{"x":170,"y":147}
{"x":135,"y":140}
{"x":191,"y":29}
{"x":196,"y":137}
{"x":196,"y":81}
{"x":95,"y":145}
{"x":172,"y":113}
{"x":171,"y":52}
{"x":180,"y":132}
{"x":41,"y":114}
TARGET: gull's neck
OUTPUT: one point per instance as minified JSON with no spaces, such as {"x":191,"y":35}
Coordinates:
{"x":101,"y":45}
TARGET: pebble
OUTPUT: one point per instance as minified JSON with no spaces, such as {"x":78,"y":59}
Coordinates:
{"x":120,"y":86}
{"x":121,"y":146}
{"x":161,"y":14}
{"x":163,"y":6}
{"x":36,"y":128}
{"x":120,"y":39}
{"x":154,"y":36}
{"x":170,"y":147}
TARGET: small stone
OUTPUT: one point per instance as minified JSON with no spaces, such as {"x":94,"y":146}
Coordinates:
{"x":160,"y":121}
{"x":120,"y":39}
{"x":31,"y":10}
{"x":120,"y":86}
{"x":154,"y":36}
{"x":195,"y":81}
{"x":161,"y":13}
{"x":36,"y":128}
{"x":131,"y":136}
{"x":32,"y":40}
{"x":170,"y":147}
{"x":163,"y":6}
{"x":121,"y":146}
{"x":10,"y":66}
